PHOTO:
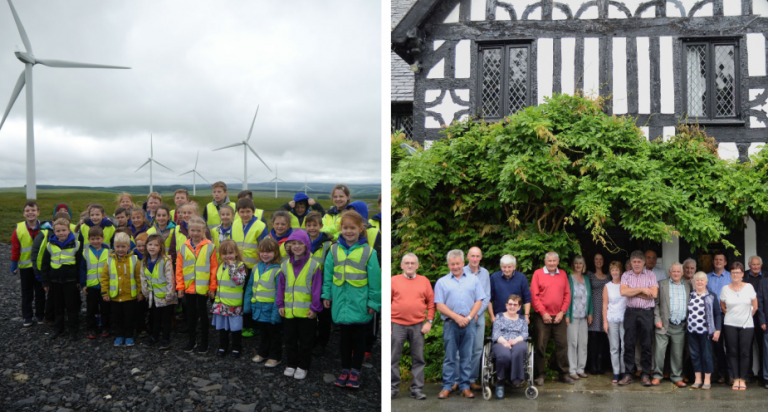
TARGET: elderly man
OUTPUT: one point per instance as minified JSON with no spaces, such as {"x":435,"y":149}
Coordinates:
{"x":639,"y":285}
{"x":473,"y":269}
{"x":715,"y":282}
{"x":650,"y":264}
{"x":670,"y":315}
{"x":551,"y":297}
{"x":506,"y":282}
{"x":412,"y":296}
{"x":689,"y":269}
{"x":754,"y":276}
{"x":458,"y":298}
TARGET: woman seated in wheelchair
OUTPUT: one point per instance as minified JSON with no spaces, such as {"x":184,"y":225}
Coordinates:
{"x":510,"y":332}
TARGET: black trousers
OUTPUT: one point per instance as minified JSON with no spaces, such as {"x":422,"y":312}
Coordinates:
{"x":31,"y":290}
{"x":248,"y":322}
{"x":299,"y":340}
{"x":352,"y":345}
{"x":50,"y":307}
{"x":237,"y":338}
{"x":140,"y":316}
{"x":722,"y":368}
{"x":162,"y":317}
{"x":638,"y":327}
{"x":123,"y":318}
{"x":66,"y":299}
{"x":598,"y":352}
{"x":758,"y":343}
{"x":370,"y":333}
{"x":271,"y":341}
{"x":95,"y":304}
{"x":739,"y":341}
{"x":324,"y":321}
{"x":196,"y":307}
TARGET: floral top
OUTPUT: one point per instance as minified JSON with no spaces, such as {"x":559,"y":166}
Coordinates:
{"x":169,"y":289}
{"x":508,"y":328}
{"x":579,"y":296}
{"x":237,"y":274}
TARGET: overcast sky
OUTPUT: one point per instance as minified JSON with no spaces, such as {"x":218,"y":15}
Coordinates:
{"x":199,"y":69}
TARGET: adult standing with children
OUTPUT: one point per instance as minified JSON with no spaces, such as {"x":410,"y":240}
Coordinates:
{"x":738,"y":301}
{"x":578,"y":318}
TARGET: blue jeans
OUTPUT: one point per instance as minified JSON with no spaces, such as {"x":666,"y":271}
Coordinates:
{"x":701,"y":352}
{"x":477,"y":352}
{"x":765,"y":353}
{"x":459,"y":340}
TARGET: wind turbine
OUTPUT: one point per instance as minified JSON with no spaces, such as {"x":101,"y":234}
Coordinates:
{"x":152,"y":160}
{"x":29,"y":60}
{"x":305,"y":186}
{"x":246,"y":146}
{"x":276,"y":179}
{"x":242,"y":181}
{"x":194,"y":172}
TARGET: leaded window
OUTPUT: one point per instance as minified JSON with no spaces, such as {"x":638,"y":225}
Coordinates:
{"x":402,"y":119}
{"x":505,"y":79}
{"x":712,"y":79}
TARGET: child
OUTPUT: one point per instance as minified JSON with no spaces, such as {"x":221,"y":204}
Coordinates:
{"x":376,"y":220}
{"x":259,"y":213}
{"x":248,"y":231}
{"x":227,"y":308}
{"x":163,"y":226}
{"x":140,"y":311}
{"x":96,"y":218}
{"x":129,"y":233}
{"x":298,"y":300}
{"x":281,"y":229}
{"x":141,"y":245}
{"x":38,"y":247}
{"x":159,"y":286}
{"x":224,"y":230}
{"x":121,"y":218}
{"x":613,"y":319}
{"x":22,"y":240}
{"x":187,"y":211}
{"x":340,"y":197}
{"x":321,"y":244}
{"x":180,"y":196}
{"x":125,"y":200}
{"x":61,"y":277}
{"x":220,"y":197}
{"x":138,"y":222}
{"x":120,"y":283}
{"x":196,"y":266}
{"x":95,"y":259}
{"x":153,"y":201}
{"x":299,"y":207}
{"x":356,"y":294}
{"x":260,"y":303}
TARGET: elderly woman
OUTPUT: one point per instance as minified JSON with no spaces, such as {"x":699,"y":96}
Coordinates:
{"x":598,"y":352}
{"x":578,"y":318}
{"x":510,"y":331}
{"x":704,"y":324}
{"x":739,"y":303}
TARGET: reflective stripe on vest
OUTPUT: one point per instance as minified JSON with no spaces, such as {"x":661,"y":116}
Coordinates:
{"x":213,"y":214}
{"x":181,"y":239}
{"x":320,"y":254}
{"x":113,"y":280}
{"x":227,"y":292}
{"x":264,"y":289}
{"x":298,"y":289}
{"x":43,"y":246}
{"x":94,"y":266}
{"x":197,"y":268}
{"x":351,"y":268}
{"x":61,"y":256}
{"x":26,"y":241}
{"x":249,"y":245}
{"x":156,"y":280}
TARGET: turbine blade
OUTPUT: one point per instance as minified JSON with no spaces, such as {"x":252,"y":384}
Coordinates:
{"x":145,"y":163}
{"x":73,"y":65}
{"x":196,"y":159}
{"x":14,"y":95}
{"x":282,"y":180}
{"x":254,"y":153}
{"x":186,"y":173}
{"x":272,"y":180}
{"x":252,"y":123}
{"x":162,"y":165}
{"x":201,"y":176}
{"x":22,"y":32}
{"x":151,"y":147}
{"x":227,"y":147}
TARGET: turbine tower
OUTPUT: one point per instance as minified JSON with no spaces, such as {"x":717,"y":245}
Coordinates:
{"x":242,"y":181}
{"x":150,"y":161}
{"x":305,"y":186}
{"x":276,"y":179}
{"x":194,"y":172}
{"x":28,"y":58}
{"x":246,"y":147}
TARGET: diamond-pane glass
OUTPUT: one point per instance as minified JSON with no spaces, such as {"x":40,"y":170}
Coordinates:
{"x":406,"y":125}
{"x":725,"y":81}
{"x":517,"y":79}
{"x":491,"y":83}
{"x":697,"y":80}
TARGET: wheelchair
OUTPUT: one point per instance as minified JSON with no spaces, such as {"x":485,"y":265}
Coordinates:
{"x":488,"y":372}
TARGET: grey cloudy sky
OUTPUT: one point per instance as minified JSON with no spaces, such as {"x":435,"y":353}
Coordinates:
{"x":199,"y":69}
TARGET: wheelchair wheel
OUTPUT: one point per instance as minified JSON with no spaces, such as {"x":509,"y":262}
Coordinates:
{"x":531,"y":392}
{"x":485,"y":372}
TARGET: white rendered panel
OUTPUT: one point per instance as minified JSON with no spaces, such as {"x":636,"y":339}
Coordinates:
{"x":760,"y":8}
{"x":646,"y":131}
{"x":670,"y":252}
{"x":535,"y":15}
{"x":754,"y":148}
{"x":632,"y":5}
{"x":706,"y":11}
{"x":669,"y":131}
{"x":667,"y":75}
{"x":591,"y":66}
{"x":732,"y":7}
{"x":750,"y":240}
{"x":615,"y":13}
{"x":673,"y":11}
{"x":462,"y":59}
{"x":477,"y":10}
{"x":453,"y":17}
{"x":437,"y":71}
{"x":589,"y":14}
{"x":756,"y":52}
{"x":620,"y":75}
{"x":728,"y":151}
{"x":568,"y":65}
{"x":430,"y":96}
{"x":558,"y":14}
{"x":502,"y":14}
{"x":448,"y":108}
{"x":644,"y":75}
{"x":545,"y":67}
{"x":437,"y":43}
{"x":754,"y":123}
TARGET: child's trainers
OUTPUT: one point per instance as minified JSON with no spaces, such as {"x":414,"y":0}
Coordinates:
{"x":190,"y":346}
{"x":354,"y":379}
{"x":164,"y":344}
{"x":91,"y":334}
{"x":105,"y":333}
{"x":341,"y":381}
{"x":300,"y":374}
{"x":271,"y":363}
{"x":119,"y":341}
{"x":128,"y":341}
{"x":258,"y":358}
{"x":28,"y":323}
{"x":367,"y":360}
{"x":248,"y":333}
{"x":289,"y":372}
{"x":150,"y":342}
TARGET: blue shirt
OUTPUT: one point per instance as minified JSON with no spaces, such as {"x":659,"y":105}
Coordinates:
{"x":459,"y":294}
{"x":485,"y":281}
{"x":501,"y":288}
{"x":715,"y":283}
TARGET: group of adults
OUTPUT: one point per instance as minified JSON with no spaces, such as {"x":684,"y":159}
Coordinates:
{"x":637,"y":320}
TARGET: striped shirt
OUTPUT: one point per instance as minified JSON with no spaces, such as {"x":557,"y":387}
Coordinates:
{"x":646,"y":279}
{"x":677,"y":302}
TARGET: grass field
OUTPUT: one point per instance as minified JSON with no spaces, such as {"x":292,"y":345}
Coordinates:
{"x":11,"y":205}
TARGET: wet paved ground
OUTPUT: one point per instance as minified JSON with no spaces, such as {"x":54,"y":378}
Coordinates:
{"x":595,"y":394}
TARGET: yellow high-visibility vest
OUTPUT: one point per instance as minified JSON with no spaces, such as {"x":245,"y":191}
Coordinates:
{"x":298,"y":289}
{"x":351,"y":268}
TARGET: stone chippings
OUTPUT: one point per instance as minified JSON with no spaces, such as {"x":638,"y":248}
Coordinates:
{"x":94,"y":376}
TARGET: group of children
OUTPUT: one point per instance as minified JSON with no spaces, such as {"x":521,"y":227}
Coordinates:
{"x":312,"y":269}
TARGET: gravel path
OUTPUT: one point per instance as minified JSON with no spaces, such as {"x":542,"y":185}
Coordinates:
{"x":41,"y":375}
